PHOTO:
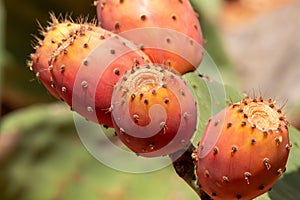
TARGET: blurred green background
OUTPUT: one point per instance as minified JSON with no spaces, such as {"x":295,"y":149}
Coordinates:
{"x":41,"y":156}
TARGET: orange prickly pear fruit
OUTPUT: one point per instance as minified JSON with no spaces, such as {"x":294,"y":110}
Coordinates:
{"x":154,"y":111}
{"x":80,"y":63}
{"x":244,"y":150}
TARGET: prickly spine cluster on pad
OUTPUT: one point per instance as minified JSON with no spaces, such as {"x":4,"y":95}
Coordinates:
{"x":244,"y":150}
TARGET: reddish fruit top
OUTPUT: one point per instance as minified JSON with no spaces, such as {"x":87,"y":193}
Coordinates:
{"x":119,"y":16}
{"x":167,"y":31}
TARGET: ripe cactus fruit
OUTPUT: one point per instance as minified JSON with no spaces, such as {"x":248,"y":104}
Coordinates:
{"x":176,"y":18}
{"x":154,"y":111}
{"x":79,"y":63}
{"x":244,"y":150}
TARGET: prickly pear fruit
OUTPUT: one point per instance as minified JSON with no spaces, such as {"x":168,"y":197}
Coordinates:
{"x":79,"y":63}
{"x":162,"y":16}
{"x":244,"y":150}
{"x":154,"y":111}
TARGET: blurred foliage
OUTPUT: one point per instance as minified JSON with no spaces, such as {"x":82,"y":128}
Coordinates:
{"x":214,"y":45}
{"x":20,"y":87}
{"x":50,"y":162}
{"x":207,"y":8}
{"x":41,"y":156}
{"x":2,"y":27}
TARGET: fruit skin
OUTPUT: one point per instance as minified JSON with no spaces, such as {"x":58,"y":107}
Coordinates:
{"x":67,"y":62}
{"x":154,"y":111}
{"x":244,"y":150}
{"x":176,"y":15}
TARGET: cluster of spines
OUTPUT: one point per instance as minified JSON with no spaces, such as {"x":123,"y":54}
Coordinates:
{"x":61,"y":44}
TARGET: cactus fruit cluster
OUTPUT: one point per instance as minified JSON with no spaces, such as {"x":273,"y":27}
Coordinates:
{"x":244,"y":150}
{"x":125,"y":72}
{"x":98,"y":72}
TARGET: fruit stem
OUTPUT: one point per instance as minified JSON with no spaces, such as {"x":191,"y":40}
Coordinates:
{"x":184,"y":166}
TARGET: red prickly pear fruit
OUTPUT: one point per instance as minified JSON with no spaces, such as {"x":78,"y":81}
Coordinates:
{"x":174,"y":17}
{"x":80,"y":63}
{"x":154,"y":111}
{"x":244,"y":150}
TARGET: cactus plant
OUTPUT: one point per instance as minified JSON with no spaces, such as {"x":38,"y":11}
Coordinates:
{"x":44,"y":155}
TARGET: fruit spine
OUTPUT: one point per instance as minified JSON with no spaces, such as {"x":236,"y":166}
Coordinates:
{"x":244,"y":150}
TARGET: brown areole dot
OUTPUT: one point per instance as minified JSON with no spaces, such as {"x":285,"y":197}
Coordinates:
{"x":62,"y":68}
{"x":261,"y":187}
{"x":225,"y":179}
{"x":146,"y":101}
{"x":133,"y":96}
{"x":243,"y":124}
{"x":117,"y":71}
{"x":117,"y":25}
{"x":266,"y":163}
{"x":206,"y":173}
{"x":186,"y":115}
{"x":270,"y":131}
{"x":279,"y":172}
{"x":277,"y":140}
{"x":229,"y":124}
{"x":85,"y":62}
{"x":136,"y":117}
{"x":247,"y":176}
{"x":84,"y":84}
{"x":174,"y":17}
{"x":234,"y":148}
{"x":215,"y":150}
{"x":143,"y":17}
{"x":216,"y":122}
{"x":265,"y":133}
{"x":168,"y":40}
{"x":112,"y":51}
{"x":166,"y":100}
